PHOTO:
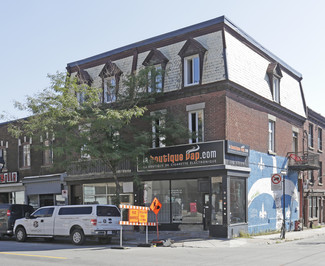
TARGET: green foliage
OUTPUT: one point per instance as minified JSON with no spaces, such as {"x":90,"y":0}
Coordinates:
{"x":72,"y":116}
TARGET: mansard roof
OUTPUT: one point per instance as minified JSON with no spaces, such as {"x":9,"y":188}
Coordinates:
{"x":203,"y":27}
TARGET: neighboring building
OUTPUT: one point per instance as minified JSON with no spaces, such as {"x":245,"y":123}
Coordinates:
{"x":28,"y":175}
{"x":313,"y":186}
{"x":247,"y":109}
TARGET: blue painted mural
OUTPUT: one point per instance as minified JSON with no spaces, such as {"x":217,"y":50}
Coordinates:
{"x":265,"y":210}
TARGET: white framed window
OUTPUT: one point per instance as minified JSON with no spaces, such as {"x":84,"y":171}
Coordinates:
{"x":276,"y":89}
{"x":26,"y":155}
{"x":158,"y":124}
{"x":320,"y":173}
{"x":48,"y":153}
{"x":271,"y":136}
{"x":295,"y":142}
{"x":3,"y":154}
{"x":196,"y":126}
{"x":311,"y":176}
{"x":110,"y":90}
{"x":192,"y":70}
{"x":320,"y":139}
{"x":81,"y":97}
{"x":311,"y":136}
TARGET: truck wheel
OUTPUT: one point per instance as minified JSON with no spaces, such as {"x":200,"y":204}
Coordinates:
{"x":104,"y":240}
{"x":21,"y":234}
{"x":77,"y":237}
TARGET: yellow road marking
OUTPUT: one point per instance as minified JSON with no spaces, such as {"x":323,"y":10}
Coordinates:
{"x":39,"y":256}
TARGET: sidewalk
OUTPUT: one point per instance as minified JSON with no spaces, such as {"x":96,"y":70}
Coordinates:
{"x":201,"y":239}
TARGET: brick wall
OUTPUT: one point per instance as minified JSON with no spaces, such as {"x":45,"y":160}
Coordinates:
{"x":214,"y":112}
{"x":247,"y":122}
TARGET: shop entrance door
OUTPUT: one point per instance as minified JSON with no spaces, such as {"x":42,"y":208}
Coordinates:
{"x":206,"y":211}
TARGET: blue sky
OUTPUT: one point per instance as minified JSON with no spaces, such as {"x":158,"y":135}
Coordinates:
{"x":40,"y":37}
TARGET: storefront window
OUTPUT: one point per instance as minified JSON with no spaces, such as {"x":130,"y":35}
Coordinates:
{"x":237,"y":200}
{"x":187,"y":201}
{"x":33,"y":201}
{"x":160,"y":190}
{"x":104,"y":193}
{"x":181,"y":200}
{"x":216,"y":200}
{"x":18,"y":197}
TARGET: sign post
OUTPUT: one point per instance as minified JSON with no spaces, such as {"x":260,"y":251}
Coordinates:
{"x":155,"y":207}
{"x":138,"y":215}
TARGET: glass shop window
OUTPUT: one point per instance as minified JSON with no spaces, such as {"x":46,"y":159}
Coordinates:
{"x":216,"y":201}
{"x":160,"y":190}
{"x":187,"y":201}
{"x":237,"y":200}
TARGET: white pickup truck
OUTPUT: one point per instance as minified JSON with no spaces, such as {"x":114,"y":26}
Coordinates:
{"x":75,"y":221}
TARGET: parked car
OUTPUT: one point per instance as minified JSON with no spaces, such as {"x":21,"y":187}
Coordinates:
{"x":9,"y":213}
{"x":74,"y":221}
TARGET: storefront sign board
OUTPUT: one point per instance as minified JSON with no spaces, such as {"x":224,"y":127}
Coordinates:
{"x":11,"y":177}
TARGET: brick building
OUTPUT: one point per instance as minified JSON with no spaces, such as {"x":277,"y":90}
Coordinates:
{"x":247,"y":110}
{"x":28,"y":176}
{"x":312,"y":180}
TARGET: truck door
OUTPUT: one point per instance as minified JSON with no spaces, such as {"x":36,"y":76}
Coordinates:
{"x":42,"y":222}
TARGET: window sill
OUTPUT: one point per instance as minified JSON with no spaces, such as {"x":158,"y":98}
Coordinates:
{"x":46,"y":165}
{"x":24,"y":168}
{"x":310,"y":148}
{"x":320,"y":151}
{"x":271,"y":152}
{"x":320,"y":184}
{"x":192,"y":84}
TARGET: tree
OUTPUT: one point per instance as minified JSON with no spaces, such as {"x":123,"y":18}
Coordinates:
{"x":82,"y":128}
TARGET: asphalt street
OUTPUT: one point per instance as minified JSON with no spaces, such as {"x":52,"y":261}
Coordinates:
{"x":263,"y":250}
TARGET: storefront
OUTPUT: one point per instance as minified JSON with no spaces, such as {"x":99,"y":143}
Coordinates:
{"x":45,"y":190}
{"x":203,"y":184}
{"x":11,"y":188}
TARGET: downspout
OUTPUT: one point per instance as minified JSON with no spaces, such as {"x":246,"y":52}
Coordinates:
{"x":225,"y":63}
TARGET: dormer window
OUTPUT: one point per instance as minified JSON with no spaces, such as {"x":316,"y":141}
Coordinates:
{"x":155,"y":78}
{"x":110,"y":90}
{"x":157,"y":61}
{"x":274,"y":74}
{"x":84,"y":80}
{"x":192,"y":54}
{"x":191,"y":70}
{"x":110,"y":75}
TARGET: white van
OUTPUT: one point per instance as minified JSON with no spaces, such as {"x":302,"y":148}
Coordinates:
{"x":75,"y":221}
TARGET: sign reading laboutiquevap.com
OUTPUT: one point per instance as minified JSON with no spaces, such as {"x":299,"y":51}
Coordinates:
{"x":182,"y":156}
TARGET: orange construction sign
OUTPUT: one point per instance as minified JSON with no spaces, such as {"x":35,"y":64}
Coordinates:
{"x":155,"y":206}
{"x":133,"y":216}
{"x":143,"y":216}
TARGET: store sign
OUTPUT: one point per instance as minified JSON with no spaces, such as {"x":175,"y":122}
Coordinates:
{"x":237,"y":148}
{"x":11,"y":177}
{"x":182,"y":156}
